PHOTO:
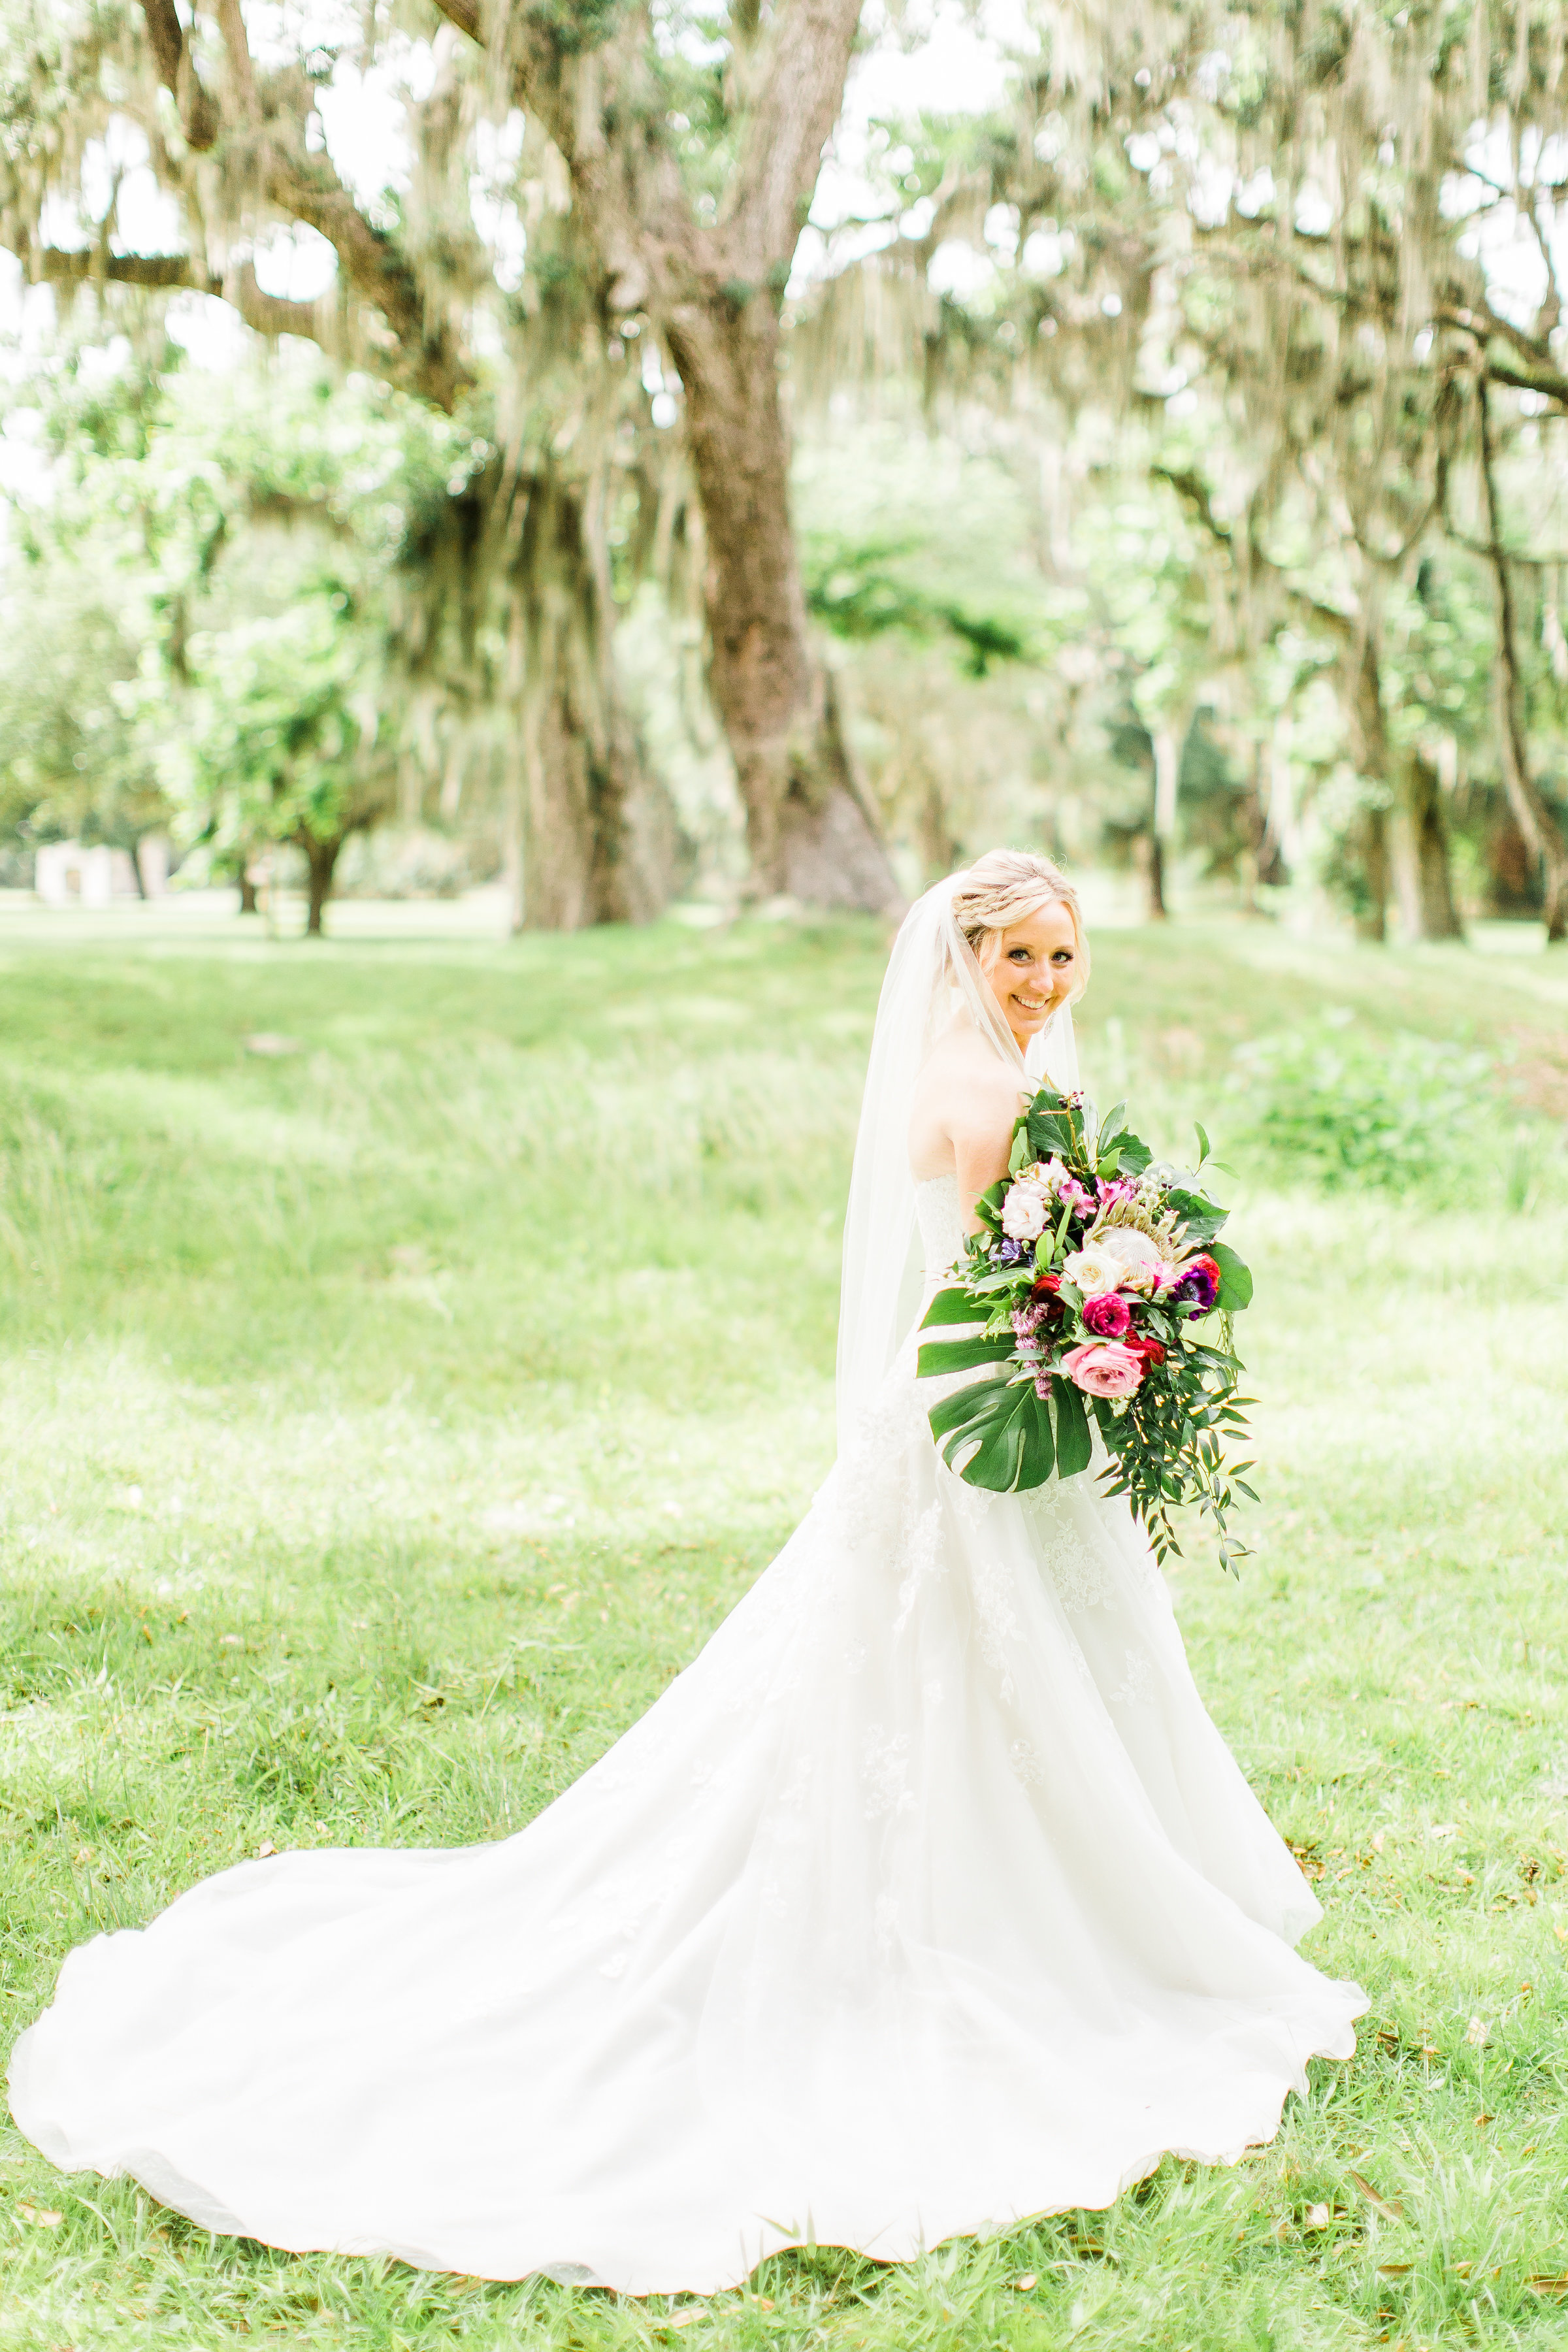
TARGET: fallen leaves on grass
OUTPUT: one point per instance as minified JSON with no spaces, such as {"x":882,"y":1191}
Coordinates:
{"x":42,"y":2217}
{"x":1389,"y":2209}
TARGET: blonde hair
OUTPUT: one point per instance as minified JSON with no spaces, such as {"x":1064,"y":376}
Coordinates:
{"x":1006,"y":886}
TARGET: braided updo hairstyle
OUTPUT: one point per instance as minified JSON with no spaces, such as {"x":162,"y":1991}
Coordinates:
{"x":1006,"y":886}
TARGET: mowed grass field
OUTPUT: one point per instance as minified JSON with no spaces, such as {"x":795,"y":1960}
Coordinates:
{"x":386,"y":1420}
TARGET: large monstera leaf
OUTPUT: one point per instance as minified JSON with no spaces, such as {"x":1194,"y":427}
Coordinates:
{"x":1002,"y":1425}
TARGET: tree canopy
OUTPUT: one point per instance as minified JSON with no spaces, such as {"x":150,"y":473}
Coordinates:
{"x":1257,"y":317}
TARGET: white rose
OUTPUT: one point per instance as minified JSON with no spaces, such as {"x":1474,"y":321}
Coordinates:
{"x":1137,"y":1256}
{"x":1093,"y":1271}
{"x":1023,"y":1213}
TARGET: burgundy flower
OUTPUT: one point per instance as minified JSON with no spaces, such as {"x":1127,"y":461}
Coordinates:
{"x":1151,"y":1350}
{"x":1107,"y":1316}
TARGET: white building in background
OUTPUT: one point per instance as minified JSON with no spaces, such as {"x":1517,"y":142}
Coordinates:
{"x":66,"y":875}
{"x":153,"y":857}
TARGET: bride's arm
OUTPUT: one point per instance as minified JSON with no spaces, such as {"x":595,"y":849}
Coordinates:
{"x":980,"y":1122}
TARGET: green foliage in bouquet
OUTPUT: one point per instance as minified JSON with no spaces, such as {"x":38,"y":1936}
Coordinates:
{"x":1089,"y":1278}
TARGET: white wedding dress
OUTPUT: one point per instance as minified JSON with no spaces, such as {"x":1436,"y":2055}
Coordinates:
{"x":927,"y":1898}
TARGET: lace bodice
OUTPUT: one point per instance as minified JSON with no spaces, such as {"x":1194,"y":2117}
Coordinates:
{"x":941,"y":1220}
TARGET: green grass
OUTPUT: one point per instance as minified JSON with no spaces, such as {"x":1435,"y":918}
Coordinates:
{"x":385,"y":1423}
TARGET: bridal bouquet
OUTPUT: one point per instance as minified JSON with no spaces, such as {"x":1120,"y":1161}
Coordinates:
{"x":1094,"y":1278}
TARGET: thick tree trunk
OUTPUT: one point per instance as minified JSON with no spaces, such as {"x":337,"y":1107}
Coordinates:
{"x":321,"y":865}
{"x":1418,"y":848}
{"x":809,"y":829}
{"x":591,"y":837}
{"x":246,"y":891}
{"x":1531,"y":813}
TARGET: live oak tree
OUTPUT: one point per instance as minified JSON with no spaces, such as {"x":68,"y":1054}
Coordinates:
{"x":1264,"y":211}
{"x":1319,"y":160}
{"x":660,"y":232}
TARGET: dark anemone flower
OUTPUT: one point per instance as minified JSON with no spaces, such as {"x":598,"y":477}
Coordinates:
{"x":1199,"y":1285}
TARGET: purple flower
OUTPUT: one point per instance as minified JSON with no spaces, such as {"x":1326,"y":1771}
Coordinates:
{"x":1027,"y":1320}
{"x":1199,"y":1286}
{"x":1010,"y":1252}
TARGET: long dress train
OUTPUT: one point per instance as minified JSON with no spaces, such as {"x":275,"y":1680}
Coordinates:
{"x":927,"y":1898}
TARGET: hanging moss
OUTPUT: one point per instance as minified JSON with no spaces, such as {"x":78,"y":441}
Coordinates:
{"x":574,"y":27}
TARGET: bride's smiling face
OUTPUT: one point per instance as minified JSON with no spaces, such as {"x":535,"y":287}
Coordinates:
{"x":1030,"y":968}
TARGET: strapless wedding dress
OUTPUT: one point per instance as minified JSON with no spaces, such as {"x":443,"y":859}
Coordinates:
{"x":927,"y":1898}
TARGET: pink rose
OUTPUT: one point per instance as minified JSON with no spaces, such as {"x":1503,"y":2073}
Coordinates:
{"x":1107,"y":1316}
{"x":1103,"y":1367}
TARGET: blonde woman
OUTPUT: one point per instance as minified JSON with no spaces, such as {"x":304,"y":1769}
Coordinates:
{"x":926,"y":1899}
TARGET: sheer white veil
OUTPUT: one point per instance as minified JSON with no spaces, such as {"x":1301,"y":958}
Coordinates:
{"x":931,"y":976}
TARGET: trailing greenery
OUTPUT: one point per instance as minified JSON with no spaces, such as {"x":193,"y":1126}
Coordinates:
{"x":388,"y":1420}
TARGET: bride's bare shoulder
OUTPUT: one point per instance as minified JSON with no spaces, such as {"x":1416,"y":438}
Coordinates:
{"x":964,"y":1084}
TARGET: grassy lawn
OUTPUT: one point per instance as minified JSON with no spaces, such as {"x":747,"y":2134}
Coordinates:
{"x":386,"y":1420}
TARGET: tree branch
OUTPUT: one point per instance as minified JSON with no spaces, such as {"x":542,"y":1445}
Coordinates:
{"x":1189,"y":484}
{"x":1547,"y":381}
{"x":799,"y":80}
{"x":465,"y":15}
{"x":307,"y":187}
{"x":268,"y":314}
{"x":1483,"y":324}
{"x":274,"y":314}
{"x":60,"y":266}
{"x":177,"y":72}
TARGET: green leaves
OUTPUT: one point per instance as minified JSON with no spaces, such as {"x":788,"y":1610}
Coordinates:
{"x":1009,"y":1428}
{"x":1119,"y":1152}
{"x":988,"y":1207}
{"x":939,"y":1356}
{"x":1052,"y":1126}
{"x":1236,"y":1283}
{"x":1075,"y":1448}
{"x":1201,"y":1217}
{"x":952,"y":1306}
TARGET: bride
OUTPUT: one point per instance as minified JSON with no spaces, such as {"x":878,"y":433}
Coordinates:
{"x":927,"y":1898}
